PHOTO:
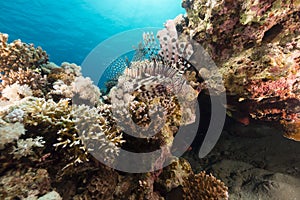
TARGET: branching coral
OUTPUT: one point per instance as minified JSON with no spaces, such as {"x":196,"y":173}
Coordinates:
{"x":27,"y":76}
{"x":91,"y":130}
{"x":151,"y":101}
{"x":177,"y":181}
{"x":77,"y":127}
{"x":67,"y":82}
{"x":65,"y":120}
{"x":19,"y":55}
{"x":85,"y":92}
{"x":101,"y":185}
{"x":20,"y":63}
{"x":25,"y":147}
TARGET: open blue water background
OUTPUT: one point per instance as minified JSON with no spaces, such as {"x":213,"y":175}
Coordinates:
{"x":69,"y":29}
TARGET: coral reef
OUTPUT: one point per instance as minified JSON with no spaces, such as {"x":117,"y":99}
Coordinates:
{"x":255,"y":45}
{"x":54,"y":120}
{"x":20,"y":64}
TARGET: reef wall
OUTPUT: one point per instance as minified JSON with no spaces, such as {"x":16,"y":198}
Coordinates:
{"x":256,"y":46}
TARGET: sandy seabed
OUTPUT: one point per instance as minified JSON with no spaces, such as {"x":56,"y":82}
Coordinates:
{"x":255,"y":162}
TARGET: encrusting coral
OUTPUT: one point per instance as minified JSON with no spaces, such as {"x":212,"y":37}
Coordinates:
{"x":255,"y":45}
{"x":24,"y":184}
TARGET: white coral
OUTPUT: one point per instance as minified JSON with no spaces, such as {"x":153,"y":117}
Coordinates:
{"x":16,"y":92}
{"x":71,"y":68}
{"x":15,"y":116}
{"x":60,"y":88}
{"x":86,"y":90}
{"x":10,"y":132}
{"x":24,"y":147}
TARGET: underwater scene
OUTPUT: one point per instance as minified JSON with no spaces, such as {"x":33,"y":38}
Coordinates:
{"x":150,"y":100}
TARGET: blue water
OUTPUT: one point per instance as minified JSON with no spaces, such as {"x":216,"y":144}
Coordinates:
{"x":68,"y":30}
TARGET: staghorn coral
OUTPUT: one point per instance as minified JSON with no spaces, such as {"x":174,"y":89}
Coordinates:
{"x":91,"y":129}
{"x":72,"y":128}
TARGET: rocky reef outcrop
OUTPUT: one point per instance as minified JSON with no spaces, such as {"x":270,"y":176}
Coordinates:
{"x":256,"y":46}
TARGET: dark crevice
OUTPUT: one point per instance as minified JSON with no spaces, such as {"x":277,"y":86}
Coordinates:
{"x":272,"y":33}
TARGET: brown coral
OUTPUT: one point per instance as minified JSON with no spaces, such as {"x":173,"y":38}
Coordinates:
{"x":179,"y":180}
{"x":20,"y":63}
{"x":28,"y":183}
{"x":101,"y":185}
{"x":33,"y":79}
{"x":20,"y":55}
